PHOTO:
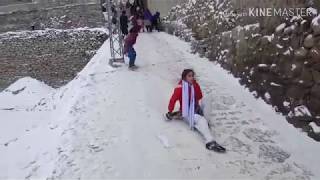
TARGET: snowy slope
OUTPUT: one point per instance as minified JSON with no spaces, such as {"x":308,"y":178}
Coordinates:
{"x":107,"y":123}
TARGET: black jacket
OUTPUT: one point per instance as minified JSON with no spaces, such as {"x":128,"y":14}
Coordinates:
{"x":124,"y":21}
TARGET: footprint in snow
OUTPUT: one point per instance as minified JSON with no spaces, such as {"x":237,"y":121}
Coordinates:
{"x":29,"y":164}
{"x":164,"y":140}
{"x":53,"y":127}
{"x":95,"y":148}
{"x":10,"y":141}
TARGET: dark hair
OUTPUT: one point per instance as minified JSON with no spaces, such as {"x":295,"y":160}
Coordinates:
{"x":135,"y":29}
{"x":186,"y":72}
{"x":132,"y":30}
{"x":124,"y":12}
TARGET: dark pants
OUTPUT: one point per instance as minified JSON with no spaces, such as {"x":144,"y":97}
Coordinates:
{"x":124,"y":30}
{"x":132,"y":56}
{"x":149,"y":28}
{"x":155,"y":25}
{"x":199,"y":111}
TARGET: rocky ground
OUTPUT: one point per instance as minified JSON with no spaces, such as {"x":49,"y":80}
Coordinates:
{"x":42,"y":14}
{"x":52,"y":56}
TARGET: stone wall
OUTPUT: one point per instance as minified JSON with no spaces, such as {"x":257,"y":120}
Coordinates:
{"x":8,"y":2}
{"x":52,"y":56}
{"x":280,"y":65}
{"x":266,"y":23}
{"x":65,"y":17}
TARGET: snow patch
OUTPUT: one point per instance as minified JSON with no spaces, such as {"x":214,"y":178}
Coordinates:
{"x":164,"y":140}
{"x":262,"y":65}
{"x":275,"y":84}
{"x":315,"y":21}
{"x":279,"y":46}
{"x":315,"y":127}
{"x":312,"y":10}
{"x":267,"y":96}
{"x":286,"y":104}
{"x":281,"y":27}
{"x":270,"y":38}
{"x":300,"y":111}
{"x":24,"y":93}
{"x":287,"y":52}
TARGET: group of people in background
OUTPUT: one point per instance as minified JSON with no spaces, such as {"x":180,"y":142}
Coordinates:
{"x":137,"y":19}
{"x":141,"y":18}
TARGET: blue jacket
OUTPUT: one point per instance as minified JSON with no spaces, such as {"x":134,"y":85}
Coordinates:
{"x":147,"y":15}
{"x":155,"y":17}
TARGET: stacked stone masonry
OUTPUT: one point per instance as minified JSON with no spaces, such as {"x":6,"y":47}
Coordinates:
{"x":62,"y":14}
{"x":52,"y":56}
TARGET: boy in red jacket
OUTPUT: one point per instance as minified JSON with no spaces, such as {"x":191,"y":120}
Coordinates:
{"x":189,"y":94}
{"x":129,"y":42}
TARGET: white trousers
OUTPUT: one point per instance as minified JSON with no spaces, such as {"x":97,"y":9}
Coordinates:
{"x":201,"y":124}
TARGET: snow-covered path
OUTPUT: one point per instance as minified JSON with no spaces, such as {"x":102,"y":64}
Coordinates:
{"x":110,"y":125}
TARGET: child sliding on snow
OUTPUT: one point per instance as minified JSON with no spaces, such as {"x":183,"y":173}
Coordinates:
{"x":188,"y":93}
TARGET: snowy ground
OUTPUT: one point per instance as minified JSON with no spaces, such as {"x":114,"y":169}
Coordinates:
{"x":107,"y":123}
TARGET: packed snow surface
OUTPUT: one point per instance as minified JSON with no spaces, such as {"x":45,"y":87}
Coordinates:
{"x":108,"y":123}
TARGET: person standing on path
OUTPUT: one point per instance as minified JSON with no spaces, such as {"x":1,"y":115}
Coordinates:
{"x":124,"y":23}
{"x":156,"y":21}
{"x":129,"y":50}
{"x":189,"y":94}
{"x":147,"y":20}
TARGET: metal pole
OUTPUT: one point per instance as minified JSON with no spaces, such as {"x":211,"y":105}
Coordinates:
{"x":115,"y":35}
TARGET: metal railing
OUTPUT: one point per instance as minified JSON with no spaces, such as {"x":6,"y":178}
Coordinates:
{"x":115,"y":35}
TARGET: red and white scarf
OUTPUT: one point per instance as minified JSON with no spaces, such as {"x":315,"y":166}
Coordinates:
{"x":188,"y":103}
